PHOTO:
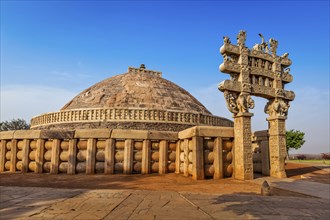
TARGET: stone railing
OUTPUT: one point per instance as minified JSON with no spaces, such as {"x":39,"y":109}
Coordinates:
{"x":205,"y":152}
{"x":127,"y":114}
{"x":88,"y":151}
{"x":118,"y":151}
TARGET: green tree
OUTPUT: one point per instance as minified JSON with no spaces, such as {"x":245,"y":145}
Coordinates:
{"x":294,"y":139}
{"x":14,"y":124}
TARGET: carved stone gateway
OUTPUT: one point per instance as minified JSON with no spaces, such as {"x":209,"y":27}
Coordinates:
{"x":260,"y":72}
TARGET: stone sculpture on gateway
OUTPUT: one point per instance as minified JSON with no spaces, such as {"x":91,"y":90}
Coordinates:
{"x":261,"y":72}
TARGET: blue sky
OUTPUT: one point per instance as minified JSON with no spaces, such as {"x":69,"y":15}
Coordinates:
{"x":52,"y":50}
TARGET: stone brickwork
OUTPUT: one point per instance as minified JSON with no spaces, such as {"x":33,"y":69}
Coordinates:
{"x":260,"y":72}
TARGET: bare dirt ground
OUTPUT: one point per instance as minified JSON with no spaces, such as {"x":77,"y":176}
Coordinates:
{"x":168,"y":182}
{"x":308,"y":172}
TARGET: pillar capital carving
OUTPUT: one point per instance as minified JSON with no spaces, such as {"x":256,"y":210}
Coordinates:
{"x":277,"y":107}
{"x":239,"y":103}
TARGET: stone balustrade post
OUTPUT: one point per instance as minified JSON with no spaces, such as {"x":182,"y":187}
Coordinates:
{"x":177,"y":157}
{"x":163,"y":157}
{"x":90,"y":156}
{"x":72,"y":156}
{"x":128,"y":157}
{"x":218,"y":160}
{"x":197,"y":158}
{"x":25,"y":155}
{"x":40,"y":155}
{"x":146,"y":154}
{"x":186,"y":160}
{"x":109,"y":156}
{"x":3,"y":151}
{"x":55,"y":157}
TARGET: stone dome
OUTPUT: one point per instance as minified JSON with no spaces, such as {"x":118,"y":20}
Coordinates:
{"x":138,"y":99}
{"x":138,"y":88}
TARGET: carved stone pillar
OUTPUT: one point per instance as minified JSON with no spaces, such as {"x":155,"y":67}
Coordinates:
{"x":243,"y":163}
{"x":277,"y":146}
{"x":259,"y":72}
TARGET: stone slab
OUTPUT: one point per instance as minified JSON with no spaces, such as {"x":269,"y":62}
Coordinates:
{"x":162,"y":135}
{"x":212,"y":131}
{"x":51,"y":203}
{"x":57,"y":134}
{"x":27,"y":134}
{"x":129,"y":134}
{"x":6,"y":135}
{"x":207,"y":131}
{"x":92,"y":133}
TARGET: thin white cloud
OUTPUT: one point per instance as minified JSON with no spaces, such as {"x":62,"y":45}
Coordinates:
{"x":66,"y":76}
{"x":26,"y":101}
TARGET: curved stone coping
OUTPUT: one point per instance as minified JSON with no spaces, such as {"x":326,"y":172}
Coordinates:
{"x":127,"y":114}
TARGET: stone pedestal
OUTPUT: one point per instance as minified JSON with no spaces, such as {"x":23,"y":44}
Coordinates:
{"x":277,"y":146}
{"x":243,"y":162}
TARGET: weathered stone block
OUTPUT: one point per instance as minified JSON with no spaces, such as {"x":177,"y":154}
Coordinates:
{"x":56,"y":134}
{"x":129,"y":134}
{"x":206,"y":131}
{"x":92,"y":133}
{"x":6,"y":135}
{"x":27,"y":134}
{"x":162,"y":135}
{"x":211,"y":131}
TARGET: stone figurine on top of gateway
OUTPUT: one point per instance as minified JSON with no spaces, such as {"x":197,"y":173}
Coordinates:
{"x":258,"y":71}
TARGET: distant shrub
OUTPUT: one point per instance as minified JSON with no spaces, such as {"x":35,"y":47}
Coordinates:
{"x":301,"y":157}
{"x":325,"y":156}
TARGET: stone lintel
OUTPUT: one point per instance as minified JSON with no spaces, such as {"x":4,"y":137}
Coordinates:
{"x":27,"y":134}
{"x":162,"y":135}
{"x":57,"y":134}
{"x":6,"y":135}
{"x":36,"y":134}
{"x":129,"y":134}
{"x":92,"y":133}
{"x":207,"y":131}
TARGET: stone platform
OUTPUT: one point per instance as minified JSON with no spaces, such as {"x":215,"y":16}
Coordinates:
{"x":51,"y":203}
